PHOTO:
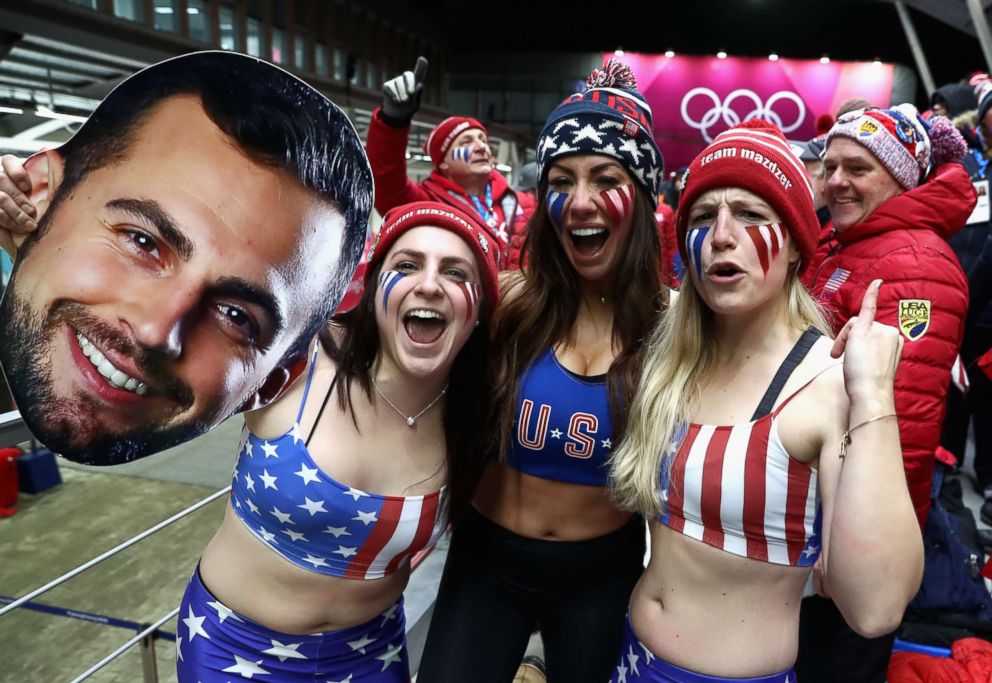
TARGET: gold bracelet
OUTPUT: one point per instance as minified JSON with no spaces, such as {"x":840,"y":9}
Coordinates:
{"x":846,"y":439}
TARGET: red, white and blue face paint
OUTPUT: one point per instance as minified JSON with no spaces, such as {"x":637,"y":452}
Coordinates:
{"x":768,"y":240}
{"x":619,"y":202}
{"x":388,"y":280}
{"x":556,"y":208}
{"x":471,"y":292}
{"x":461,"y":153}
{"x":694,"y":248}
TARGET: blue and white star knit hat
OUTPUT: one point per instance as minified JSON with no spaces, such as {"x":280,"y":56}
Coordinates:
{"x":609,"y":117}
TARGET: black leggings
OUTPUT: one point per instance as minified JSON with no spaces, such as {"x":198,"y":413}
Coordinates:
{"x":497,"y":586}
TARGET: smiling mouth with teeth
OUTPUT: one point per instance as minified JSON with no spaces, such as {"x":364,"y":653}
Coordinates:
{"x":588,"y":240}
{"x":114,"y":377}
{"x":424,"y":325}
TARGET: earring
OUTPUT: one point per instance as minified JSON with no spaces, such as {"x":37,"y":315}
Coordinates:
{"x":476,"y":323}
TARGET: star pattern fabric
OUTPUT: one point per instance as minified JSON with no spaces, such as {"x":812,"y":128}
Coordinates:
{"x":214,"y":644}
{"x":637,"y":664}
{"x":324,"y":526}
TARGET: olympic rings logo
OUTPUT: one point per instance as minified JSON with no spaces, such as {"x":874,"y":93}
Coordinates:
{"x":724,"y":110}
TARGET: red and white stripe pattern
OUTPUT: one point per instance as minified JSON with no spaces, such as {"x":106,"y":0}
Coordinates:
{"x":960,"y":376}
{"x":619,"y":202}
{"x":404,"y":526}
{"x":471,"y":292}
{"x":768,"y":240}
{"x":737,"y":489}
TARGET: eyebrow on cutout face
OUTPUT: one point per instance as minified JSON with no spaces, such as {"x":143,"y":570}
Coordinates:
{"x":242,"y":290}
{"x":152,"y":211}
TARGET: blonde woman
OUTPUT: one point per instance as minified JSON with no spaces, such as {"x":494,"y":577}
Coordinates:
{"x":760,"y":447}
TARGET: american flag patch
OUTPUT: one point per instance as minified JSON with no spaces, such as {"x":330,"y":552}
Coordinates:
{"x":834,"y":283}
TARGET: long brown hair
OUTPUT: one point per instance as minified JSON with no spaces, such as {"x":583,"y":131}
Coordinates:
{"x":540,"y":308}
{"x":351,"y":340}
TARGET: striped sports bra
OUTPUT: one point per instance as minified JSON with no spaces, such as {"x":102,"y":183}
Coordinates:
{"x":317,"y":523}
{"x":735,"y":487}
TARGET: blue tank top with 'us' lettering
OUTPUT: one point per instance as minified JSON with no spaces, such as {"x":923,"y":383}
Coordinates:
{"x":562,"y":428}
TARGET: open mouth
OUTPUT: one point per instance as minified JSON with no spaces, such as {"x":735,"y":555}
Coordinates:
{"x":114,"y":376}
{"x":588,"y":241}
{"x":423,"y":325}
{"x":724,"y":271}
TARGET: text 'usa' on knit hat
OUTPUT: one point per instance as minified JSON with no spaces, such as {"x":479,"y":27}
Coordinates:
{"x":611,"y":118}
{"x":755,"y":156}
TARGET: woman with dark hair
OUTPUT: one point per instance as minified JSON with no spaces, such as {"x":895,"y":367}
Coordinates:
{"x":543,"y":546}
{"x":304,"y":579}
{"x":758,"y":453}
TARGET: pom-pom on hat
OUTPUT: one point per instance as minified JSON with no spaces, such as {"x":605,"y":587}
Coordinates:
{"x":440,"y":139}
{"x":754,"y":156}
{"x":610,"y":117}
{"x":434,"y":214}
{"x":906,"y":145}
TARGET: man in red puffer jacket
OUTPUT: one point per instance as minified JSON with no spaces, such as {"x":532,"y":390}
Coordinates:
{"x":896,"y":192}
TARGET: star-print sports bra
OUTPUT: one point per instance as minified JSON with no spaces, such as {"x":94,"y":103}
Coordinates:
{"x":562,"y":429}
{"x":317,"y":523}
{"x":736,"y":488}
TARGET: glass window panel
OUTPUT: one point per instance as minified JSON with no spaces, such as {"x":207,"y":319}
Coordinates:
{"x":132,"y":10}
{"x":320,"y":59}
{"x":165,"y":15}
{"x":300,"y":47}
{"x":372,"y":76}
{"x":278,"y":45}
{"x":196,"y":12}
{"x":338,"y":64}
{"x":254,"y":36}
{"x":228,"y":29}
{"x":88,"y":4}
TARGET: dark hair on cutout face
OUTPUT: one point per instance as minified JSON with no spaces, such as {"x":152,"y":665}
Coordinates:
{"x":273,"y":117}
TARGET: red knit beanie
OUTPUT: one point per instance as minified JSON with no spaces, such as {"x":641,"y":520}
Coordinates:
{"x":444,"y":133}
{"x":755,"y":156}
{"x":434,"y":214}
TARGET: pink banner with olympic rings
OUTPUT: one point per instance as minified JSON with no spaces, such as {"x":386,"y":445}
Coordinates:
{"x":693,"y":98}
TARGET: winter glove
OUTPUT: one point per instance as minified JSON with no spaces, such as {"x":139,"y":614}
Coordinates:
{"x":401,"y":95}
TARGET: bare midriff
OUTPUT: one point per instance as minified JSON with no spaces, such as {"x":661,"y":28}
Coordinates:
{"x":545,"y":509}
{"x":253,"y":580}
{"x":714,"y":613}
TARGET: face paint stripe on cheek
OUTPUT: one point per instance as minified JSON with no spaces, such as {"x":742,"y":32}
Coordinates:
{"x":556,"y":207}
{"x":768,"y":240}
{"x":461,"y":154}
{"x":618,"y":201}
{"x":694,"y":248}
{"x":388,"y":280}
{"x":471,"y":292}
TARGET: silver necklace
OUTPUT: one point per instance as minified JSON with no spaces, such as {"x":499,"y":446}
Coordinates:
{"x":410,"y":419}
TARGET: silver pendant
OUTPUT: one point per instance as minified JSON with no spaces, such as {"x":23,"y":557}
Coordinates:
{"x":409,"y":421}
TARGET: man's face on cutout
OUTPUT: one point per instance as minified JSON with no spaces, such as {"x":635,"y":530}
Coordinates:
{"x":164,"y":293}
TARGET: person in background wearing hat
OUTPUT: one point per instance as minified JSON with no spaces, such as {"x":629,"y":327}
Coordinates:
{"x":952,"y":99}
{"x":811,"y":153}
{"x":464,"y":174}
{"x":756,"y":452}
{"x":896,"y":191}
{"x":544,"y":546}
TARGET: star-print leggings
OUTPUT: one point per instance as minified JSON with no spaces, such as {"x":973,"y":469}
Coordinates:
{"x":498,"y":586}
{"x":214,"y":644}
{"x":637,"y":664}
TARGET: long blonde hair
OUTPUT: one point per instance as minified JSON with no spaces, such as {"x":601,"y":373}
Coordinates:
{"x":678,"y":359}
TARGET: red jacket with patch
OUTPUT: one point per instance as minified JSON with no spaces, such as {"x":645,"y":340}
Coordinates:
{"x":386,"y":147}
{"x":924,"y":295}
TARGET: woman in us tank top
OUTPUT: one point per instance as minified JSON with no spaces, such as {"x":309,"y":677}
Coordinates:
{"x":745,"y":501}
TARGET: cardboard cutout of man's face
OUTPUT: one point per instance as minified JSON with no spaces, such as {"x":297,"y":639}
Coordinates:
{"x":165,"y":290}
